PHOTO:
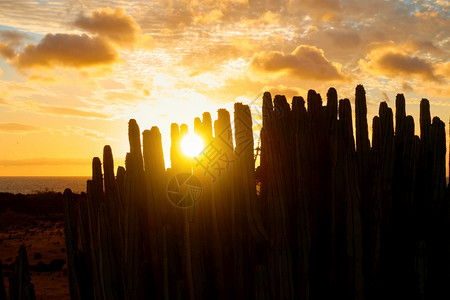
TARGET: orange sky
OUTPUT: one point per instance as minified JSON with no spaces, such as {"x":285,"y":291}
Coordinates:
{"x":73,"y":72}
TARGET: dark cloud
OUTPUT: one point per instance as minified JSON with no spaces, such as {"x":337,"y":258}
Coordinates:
{"x":110,"y":29}
{"x":113,"y":24}
{"x":7,"y":51}
{"x":397,"y":64}
{"x":306,"y":62}
{"x":9,"y":41}
{"x":67,"y":50}
{"x":13,"y":38}
{"x":406,"y":64}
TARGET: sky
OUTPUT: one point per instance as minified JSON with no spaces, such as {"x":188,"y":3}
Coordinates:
{"x":72,"y":73}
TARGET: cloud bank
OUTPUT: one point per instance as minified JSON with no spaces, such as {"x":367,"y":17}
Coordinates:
{"x":67,"y":50}
{"x":107,"y":31}
{"x":113,"y":24}
{"x":305,"y":62}
{"x":397,"y":64}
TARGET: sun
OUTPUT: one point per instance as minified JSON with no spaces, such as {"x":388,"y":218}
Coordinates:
{"x":191,"y":144}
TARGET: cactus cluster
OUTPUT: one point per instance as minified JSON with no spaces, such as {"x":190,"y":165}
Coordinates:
{"x":335,"y":216}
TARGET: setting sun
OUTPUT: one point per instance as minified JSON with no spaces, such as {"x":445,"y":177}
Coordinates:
{"x":191,"y":144}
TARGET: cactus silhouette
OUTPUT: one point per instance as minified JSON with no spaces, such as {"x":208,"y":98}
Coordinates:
{"x":330,"y":213}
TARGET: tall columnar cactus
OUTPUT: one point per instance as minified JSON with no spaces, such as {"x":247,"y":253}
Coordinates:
{"x":280,"y":191}
{"x":155,"y":182}
{"x":362,"y":133}
{"x":224,"y":201}
{"x":302,"y":228}
{"x":20,"y":286}
{"x":175,"y":146}
{"x":26,"y":288}
{"x":352,"y":204}
{"x":135,"y":216}
{"x":71,"y":237}
{"x":437,"y":222}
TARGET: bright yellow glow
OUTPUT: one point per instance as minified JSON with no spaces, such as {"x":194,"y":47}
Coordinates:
{"x":191,"y":144}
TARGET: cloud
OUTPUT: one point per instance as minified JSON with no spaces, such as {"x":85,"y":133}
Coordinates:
{"x":9,"y":41}
{"x":305,"y":62}
{"x":18,"y":128}
{"x":67,"y":50}
{"x":393,"y":63}
{"x":110,"y":30}
{"x":113,"y":24}
{"x":13,"y":37}
{"x":7,"y":51}
{"x":117,"y":26}
{"x":322,"y":10}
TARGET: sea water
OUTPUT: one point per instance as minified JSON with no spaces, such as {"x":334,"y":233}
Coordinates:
{"x":35,"y":184}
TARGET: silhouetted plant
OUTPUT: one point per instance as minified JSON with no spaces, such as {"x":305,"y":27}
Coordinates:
{"x":336,"y":217}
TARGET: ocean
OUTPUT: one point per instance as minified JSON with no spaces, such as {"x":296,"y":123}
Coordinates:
{"x":34,"y":184}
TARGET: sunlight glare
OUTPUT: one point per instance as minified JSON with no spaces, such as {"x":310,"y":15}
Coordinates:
{"x":191,"y":144}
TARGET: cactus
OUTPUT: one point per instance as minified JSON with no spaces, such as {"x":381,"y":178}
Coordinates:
{"x":20,"y":286}
{"x":71,"y":238}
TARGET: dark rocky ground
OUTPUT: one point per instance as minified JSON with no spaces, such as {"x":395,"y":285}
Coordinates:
{"x":36,"y":221}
